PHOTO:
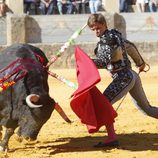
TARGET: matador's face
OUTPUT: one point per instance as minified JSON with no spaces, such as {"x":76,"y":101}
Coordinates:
{"x":99,"y":29}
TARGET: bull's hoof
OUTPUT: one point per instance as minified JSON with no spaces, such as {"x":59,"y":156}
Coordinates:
{"x":18,"y":138}
{"x":1,"y":135}
{"x":3,"y":149}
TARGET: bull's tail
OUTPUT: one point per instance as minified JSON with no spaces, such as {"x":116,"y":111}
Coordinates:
{"x":59,"y":109}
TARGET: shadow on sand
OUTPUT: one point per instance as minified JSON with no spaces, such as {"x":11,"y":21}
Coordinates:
{"x":131,"y":142}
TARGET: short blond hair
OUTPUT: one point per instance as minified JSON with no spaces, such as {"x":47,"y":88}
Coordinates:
{"x":96,"y":18}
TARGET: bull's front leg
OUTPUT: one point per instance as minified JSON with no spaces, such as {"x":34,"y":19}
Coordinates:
{"x":1,"y":129}
{"x":4,"y":143}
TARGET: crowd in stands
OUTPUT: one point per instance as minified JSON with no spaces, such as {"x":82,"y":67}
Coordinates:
{"x":142,"y":5}
{"x":49,"y":7}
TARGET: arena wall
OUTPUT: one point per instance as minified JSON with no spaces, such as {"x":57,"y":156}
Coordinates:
{"x":50,"y":32}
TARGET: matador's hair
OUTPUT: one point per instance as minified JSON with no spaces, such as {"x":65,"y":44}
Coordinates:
{"x":96,"y":18}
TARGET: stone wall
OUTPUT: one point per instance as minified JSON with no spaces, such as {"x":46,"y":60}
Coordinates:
{"x":3,"y":31}
{"x":16,"y":6}
{"x":53,"y":28}
{"x":57,"y":29}
{"x":149,"y":51}
{"x":50,"y":32}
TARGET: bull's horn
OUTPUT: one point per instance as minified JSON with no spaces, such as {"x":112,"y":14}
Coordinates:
{"x":62,"y":113}
{"x":30,"y":98}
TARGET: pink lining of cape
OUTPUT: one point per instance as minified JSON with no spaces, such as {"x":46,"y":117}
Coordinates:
{"x":88,"y":103}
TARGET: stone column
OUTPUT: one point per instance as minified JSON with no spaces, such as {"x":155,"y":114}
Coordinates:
{"x":111,"y":5}
{"x":117,"y":21}
{"x":16,"y":32}
{"x":16,"y":6}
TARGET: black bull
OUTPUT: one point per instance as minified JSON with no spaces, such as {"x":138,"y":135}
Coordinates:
{"x":32,"y":89}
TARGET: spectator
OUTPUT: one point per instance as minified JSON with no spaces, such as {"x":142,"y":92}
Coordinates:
{"x":141,"y":5}
{"x":3,"y":8}
{"x":77,"y":6}
{"x":80,"y":6}
{"x":94,"y":6}
{"x":85,"y":6}
{"x":124,"y":5}
{"x":30,"y":7}
{"x":64,"y":6}
{"x":153,"y":5}
{"x":47,"y":6}
{"x":131,"y":4}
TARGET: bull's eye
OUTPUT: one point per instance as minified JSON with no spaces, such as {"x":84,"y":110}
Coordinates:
{"x":24,"y":101}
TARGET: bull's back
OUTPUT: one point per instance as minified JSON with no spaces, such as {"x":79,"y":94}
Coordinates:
{"x":15,"y":51}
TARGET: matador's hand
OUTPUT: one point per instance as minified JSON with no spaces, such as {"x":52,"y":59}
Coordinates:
{"x":142,"y":68}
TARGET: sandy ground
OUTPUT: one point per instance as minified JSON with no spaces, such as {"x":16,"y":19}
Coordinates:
{"x":137,"y":132}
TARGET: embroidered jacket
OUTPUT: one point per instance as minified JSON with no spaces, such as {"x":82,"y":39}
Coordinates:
{"x":111,"y":52}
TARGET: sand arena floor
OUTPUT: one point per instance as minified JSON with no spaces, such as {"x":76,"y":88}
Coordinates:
{"x":137,"y":133}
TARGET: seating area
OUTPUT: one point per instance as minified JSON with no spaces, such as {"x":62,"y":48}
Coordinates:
{"x":55,"y":7}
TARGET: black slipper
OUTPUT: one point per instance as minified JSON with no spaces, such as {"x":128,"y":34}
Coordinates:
{"x":110,"y":144}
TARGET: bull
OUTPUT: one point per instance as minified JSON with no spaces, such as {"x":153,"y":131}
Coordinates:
{"x":26,"y":105}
